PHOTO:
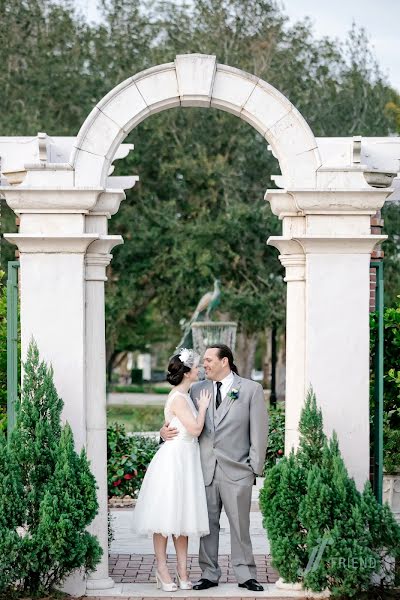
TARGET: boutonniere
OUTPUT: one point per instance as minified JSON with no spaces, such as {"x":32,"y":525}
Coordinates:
{"x":233,"y":394}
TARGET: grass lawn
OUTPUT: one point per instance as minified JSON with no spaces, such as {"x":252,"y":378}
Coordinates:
{"x":136,"y":418}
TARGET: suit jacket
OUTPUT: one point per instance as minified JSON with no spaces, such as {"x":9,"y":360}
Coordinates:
{"x":236,"y":434}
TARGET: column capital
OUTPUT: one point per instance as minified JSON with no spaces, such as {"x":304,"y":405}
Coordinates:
{"x":50,"y":199}
{"x":295,"y":265}
{"x":99,"y":256}
{"x":341,"y":244}
{"x":285,"y":245}
{"x":302,"y":202}
{"x":108,"y":203}
{"x":292,"y":257}
{"x":38,"y":243}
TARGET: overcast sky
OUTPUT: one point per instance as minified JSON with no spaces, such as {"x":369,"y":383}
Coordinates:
{"x":380,"y":18}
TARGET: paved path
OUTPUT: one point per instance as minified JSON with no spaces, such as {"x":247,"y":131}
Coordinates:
{"x":127,"y":543}
{"x":132,"y":562}
{"x":136,"y":399}
{"x":135,"y":568}
{"x":226,"y":590}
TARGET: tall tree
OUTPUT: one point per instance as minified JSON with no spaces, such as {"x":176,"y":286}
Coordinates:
{"x":199,"y":205}
{"x":198,"y":212}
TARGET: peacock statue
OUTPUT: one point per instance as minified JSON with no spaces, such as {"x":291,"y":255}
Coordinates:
{"x":207,"y":303}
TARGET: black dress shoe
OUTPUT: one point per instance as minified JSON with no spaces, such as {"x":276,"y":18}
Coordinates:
{"x":204,"y":584}
{"x":253,"y":585}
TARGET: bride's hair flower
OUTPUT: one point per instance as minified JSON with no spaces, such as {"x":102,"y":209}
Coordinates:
{"x":189,"y":357}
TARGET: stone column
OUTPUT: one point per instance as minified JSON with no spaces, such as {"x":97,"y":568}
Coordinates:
{"x":62,"y":307}
{"x":337,"y":335}
{"x":325,"y":247}
{"x":52,"y":312}
{"x":293,"y":259}
{"x":97,"y":259}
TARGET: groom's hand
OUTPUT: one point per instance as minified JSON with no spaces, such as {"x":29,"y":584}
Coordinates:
{"x":168,"y":434}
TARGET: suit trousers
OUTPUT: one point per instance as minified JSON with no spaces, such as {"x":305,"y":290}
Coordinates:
{"x":235,"y":497}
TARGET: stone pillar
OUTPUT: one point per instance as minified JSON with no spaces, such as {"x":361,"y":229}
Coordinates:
{"x":62,"y":307}
{"x":97,"y":259}
{"x":293,"y":259}
{"x":337,"y":341}
{"x":325,"y":248}
{"x":52,"y":312}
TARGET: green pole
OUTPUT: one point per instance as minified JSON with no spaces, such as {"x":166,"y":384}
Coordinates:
{"x":12,"y":343}
{"x":378,"y":390}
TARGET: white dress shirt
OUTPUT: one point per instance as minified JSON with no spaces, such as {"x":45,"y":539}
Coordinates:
{"x":225,"y":387}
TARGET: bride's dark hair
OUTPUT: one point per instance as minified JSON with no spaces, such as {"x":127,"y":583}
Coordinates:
{"x":176,"y":370}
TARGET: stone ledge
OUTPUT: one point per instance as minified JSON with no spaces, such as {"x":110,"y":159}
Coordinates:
{"x":227,"y":590}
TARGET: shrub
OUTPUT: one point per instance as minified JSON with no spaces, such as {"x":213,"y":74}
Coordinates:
{"x":51,"y":494}
{"x":3,"y":354}
{"x":318,"y":523}
{"x":276,"y":437}
{"x":391,"y":390}
{"x":128,"y":458}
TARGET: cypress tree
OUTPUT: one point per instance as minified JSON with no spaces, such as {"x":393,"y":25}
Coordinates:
{"x":331,"y":514}
{"x":69,"y":504}
{"x":12,"y":514}
{"x":279,"y":504}
{"x":311,"y":432}
{"x":49,"y":495}
{"x":322,"y":531}
{"x":36,"y":435}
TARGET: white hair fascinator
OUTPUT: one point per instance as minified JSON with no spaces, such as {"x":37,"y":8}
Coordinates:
{"x":189,"y":357}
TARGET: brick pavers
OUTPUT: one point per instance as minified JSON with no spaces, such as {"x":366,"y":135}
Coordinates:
{"x":140,"y":568}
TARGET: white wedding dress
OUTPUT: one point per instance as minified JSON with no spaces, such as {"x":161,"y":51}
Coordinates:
{"x":172,"y":499}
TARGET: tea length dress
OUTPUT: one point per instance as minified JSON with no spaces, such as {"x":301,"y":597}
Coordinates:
{"x":172,"y":499}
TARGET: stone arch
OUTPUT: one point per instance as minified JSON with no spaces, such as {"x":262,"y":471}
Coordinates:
{"x":195,"y":80}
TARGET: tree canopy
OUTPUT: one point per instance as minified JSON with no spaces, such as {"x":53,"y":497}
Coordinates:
{"x":198,"y":211}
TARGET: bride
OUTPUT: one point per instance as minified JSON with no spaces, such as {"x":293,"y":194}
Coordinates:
{"x":172,"y":499}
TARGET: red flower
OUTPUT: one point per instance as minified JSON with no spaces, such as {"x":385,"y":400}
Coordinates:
{"x":115,"y":483}
{"x":280,"y":451}
{"x":128,"y":476}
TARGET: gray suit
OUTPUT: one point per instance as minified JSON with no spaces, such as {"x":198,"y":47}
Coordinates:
{"x":232,"y":448}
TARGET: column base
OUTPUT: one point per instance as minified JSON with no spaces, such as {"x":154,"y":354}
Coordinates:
{"x":100,"y":584}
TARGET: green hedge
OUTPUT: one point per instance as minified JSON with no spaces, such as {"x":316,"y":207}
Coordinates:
{"x":391,"y":389}
{"x":276,"y":436}
{"x":127,"y":460}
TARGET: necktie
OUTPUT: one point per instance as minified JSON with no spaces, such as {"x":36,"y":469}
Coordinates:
{"x":218,"y":396}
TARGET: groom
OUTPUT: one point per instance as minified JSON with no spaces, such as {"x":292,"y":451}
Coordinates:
{"x":232,"y":448}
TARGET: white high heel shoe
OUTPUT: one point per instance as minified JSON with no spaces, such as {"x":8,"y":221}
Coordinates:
{"x":184,"y":585}
{"x":166,"y":587}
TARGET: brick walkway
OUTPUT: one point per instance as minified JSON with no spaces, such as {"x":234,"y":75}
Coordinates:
{"x":136,"y":568}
